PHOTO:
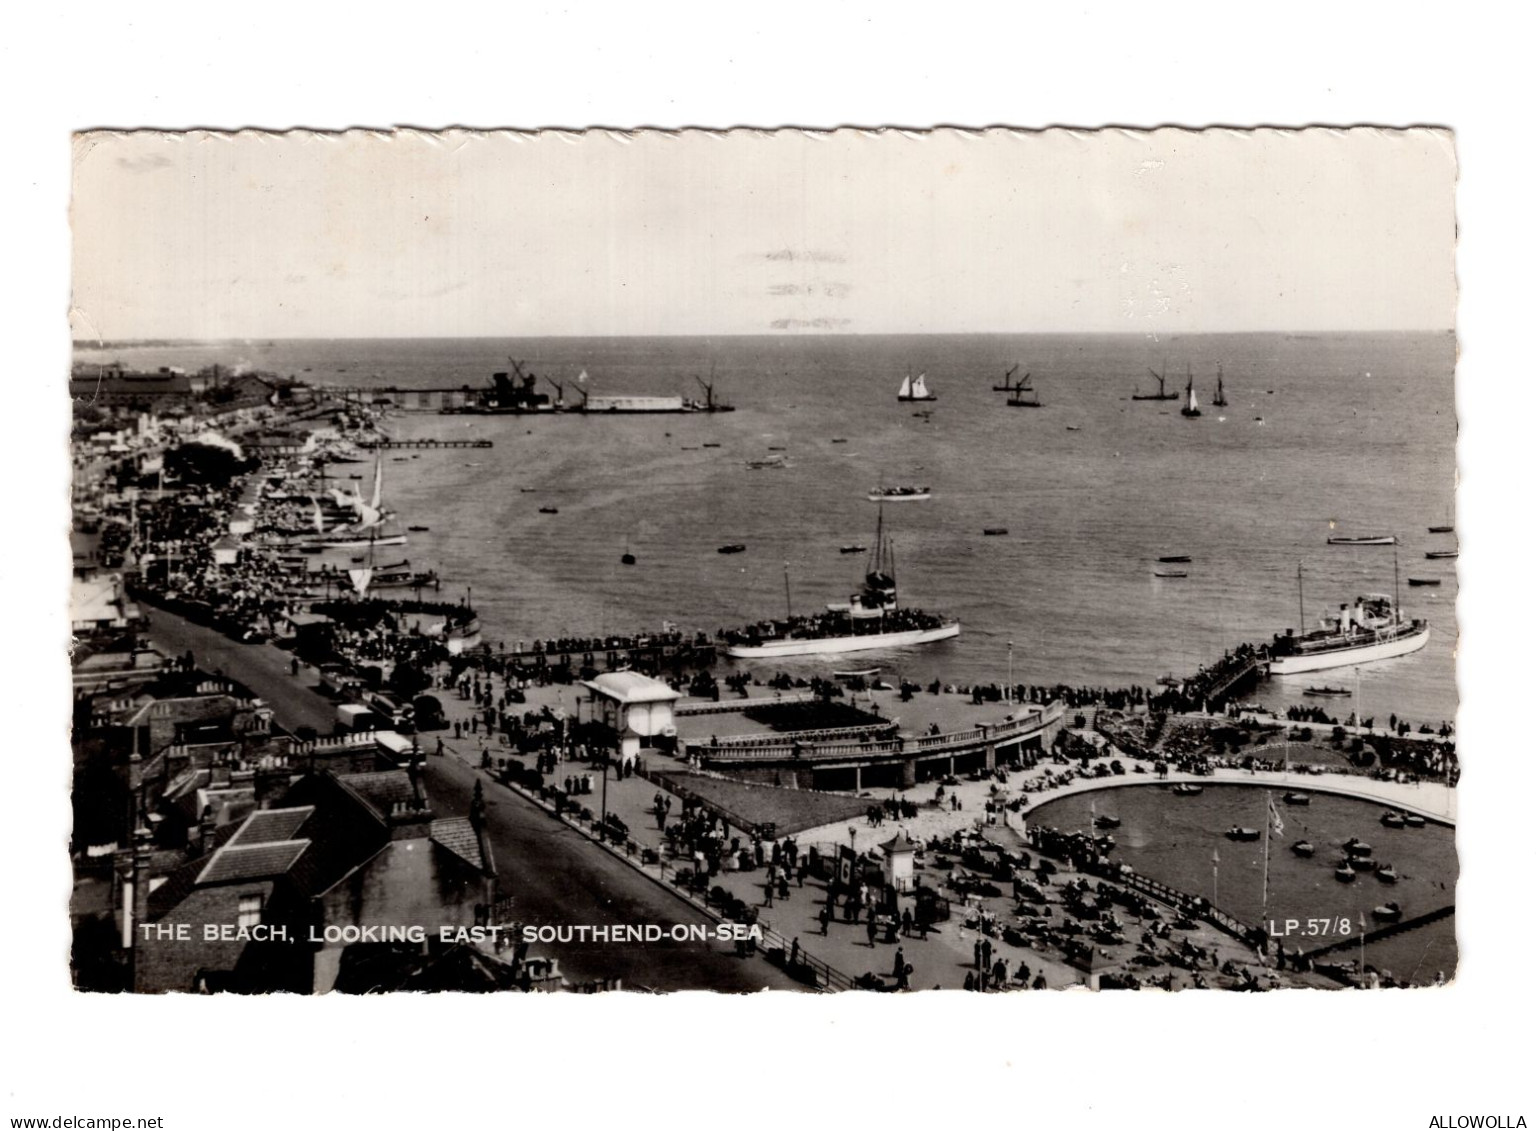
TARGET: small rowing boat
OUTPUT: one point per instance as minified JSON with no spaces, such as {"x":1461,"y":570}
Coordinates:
{"x":1174,"y":559}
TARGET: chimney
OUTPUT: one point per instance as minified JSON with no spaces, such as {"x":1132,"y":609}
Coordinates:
{"x":205,"y":830}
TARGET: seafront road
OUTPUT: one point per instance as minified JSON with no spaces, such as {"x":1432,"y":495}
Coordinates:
{"x":555,"y":875}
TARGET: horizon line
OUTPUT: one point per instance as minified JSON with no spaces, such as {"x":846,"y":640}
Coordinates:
{"x":78,"y":343}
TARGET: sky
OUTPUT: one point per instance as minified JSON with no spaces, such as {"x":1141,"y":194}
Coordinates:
{"x":211,"y":236}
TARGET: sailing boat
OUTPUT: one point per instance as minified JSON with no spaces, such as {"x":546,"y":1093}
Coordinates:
{"x":1162,"y":393}
{"x":1191,"y":405}
{"x":370,"y":516}
{"x":1007,"y":385}
{"x":1017,"y":397}
{"x":915,"y":390}
{"x":1220,"y":400}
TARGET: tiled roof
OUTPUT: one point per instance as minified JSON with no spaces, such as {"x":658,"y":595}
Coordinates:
{"x":458,"y":836}
{"x":252,"y":862}
{"x":382,"y":789}
{"x":271,"y":825}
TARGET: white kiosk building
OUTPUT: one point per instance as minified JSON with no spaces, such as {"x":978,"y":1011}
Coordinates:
{"x":637,"y":708}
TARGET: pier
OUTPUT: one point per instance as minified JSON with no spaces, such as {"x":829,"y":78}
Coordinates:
{"x":398,"y":445}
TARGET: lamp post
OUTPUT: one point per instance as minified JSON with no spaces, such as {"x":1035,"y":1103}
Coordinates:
{"x":1008,"y":695}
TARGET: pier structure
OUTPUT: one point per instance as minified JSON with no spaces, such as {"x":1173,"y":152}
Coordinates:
{"x":814,"y":761}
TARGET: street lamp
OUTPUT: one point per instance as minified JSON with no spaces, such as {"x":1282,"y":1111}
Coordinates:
{"x":1008,"y":695}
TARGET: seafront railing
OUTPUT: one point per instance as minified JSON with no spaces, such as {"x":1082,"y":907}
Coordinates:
{"x":925,"y":746}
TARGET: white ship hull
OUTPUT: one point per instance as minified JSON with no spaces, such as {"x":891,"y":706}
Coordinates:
{"x":1349,"y":657}
{"x":876,"y":497}
{"x":829,"y":645}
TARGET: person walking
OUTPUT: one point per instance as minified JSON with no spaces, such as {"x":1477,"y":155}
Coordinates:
{"x":900,"y":963}
{"x":869,"y":930}
{"x":825,"y":917}
{"x":976,"y":954}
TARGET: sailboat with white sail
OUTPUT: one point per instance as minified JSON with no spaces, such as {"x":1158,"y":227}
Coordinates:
{"x":1191,"y":407}
{"x":364,"y":532}
{"x":915,"y":389}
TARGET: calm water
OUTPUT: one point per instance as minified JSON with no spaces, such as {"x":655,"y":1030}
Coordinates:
{"x":1357,"y":432}
{"x":1172,"y":838}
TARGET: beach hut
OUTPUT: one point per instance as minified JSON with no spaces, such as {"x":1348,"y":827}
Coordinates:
{"x":900,"y":858}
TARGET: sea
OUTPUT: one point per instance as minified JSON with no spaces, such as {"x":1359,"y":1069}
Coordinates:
{"x":1324,"y":433}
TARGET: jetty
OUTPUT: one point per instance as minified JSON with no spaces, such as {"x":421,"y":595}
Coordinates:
{"x":398,"y":445}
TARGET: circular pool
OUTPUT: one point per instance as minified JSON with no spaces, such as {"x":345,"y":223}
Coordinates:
{"x":1173,"y":839}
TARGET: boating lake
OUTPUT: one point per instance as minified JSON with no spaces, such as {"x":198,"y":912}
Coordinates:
{"x":1324,"y":433}
{"x":1171,"y":839}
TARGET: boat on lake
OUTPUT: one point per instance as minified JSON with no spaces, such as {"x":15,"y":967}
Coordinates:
{"x":1421,"y":582}
{"x":1387,"y":874}
{"x":1344,"y":874}
{"x":1238,"y":833}
{"x":1303,"y":848}
{"x":915,"y":390}
{"x":1387,"y":913}
{"x":731,"y":548}
{"x":1188,"y":789}
{"x":1362,"y":540}
{"x":1295,"y":798}
{"x":1393,"y":819}
{"x":1413,"y":821}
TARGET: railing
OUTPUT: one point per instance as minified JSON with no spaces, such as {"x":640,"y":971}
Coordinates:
{"x":828,"y":977}
{"x":923,"y":747}
{"x":735,"y":706}
{"x":1385,"y":932}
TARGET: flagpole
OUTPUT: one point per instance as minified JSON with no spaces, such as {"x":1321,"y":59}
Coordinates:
{"x":1268,"y":827}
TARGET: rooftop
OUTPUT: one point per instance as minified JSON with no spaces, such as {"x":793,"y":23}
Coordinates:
{"x":631,"y":687}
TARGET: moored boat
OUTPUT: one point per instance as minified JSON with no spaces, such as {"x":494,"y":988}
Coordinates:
{"x":853,"y":549}
{"x":871,"y":619}
{"x":1362,"y":540}
{"x":1303,"y":848}
{"x":1174,"y":559}
{"x":1326,"y":692}
{"x":1393,"y":819}
{"x":549,"y":510}
{"x":1106,"y":821}
{"x":1238,"y":833}
{"x":1173,"y":573}
{"x":1387,"y":913}
{"x":1420,"y":582}
{"x":1442,"y":555}
{"x":1373,"y":628}
{"x":1387,"y":874}
{"x":994,"y":531}
{"x":1188,"y":789}
{"x":1295,"y":798}
{"x":1344,"y":874}
{"x":1162,"y":393}
{"x":731,"y":548}
{"x":1355,"y":847}
{"x":1413,"y":821}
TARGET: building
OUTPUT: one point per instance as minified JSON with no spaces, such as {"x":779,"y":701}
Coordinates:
{"x":900,"y":856}
{"x":274,"y":900}
{"x":636,"y":709}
